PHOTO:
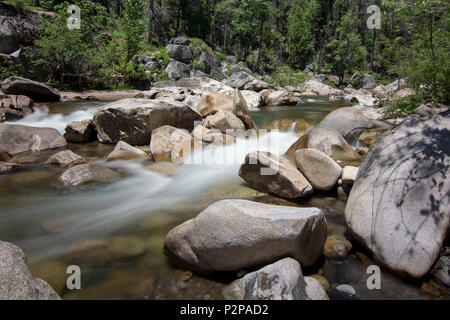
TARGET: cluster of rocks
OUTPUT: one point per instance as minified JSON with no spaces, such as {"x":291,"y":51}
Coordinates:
{"x":19,"y":94}
{"x":251,"y":235}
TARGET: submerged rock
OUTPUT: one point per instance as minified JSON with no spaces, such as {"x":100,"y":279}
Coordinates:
{"x":64,"y":159}
{"x":399,"y":204}
{"x":337,"y":247}
{"x":16,"y":280}
{"x":81,"y":131}
{"x":86,"y":173}
{"x":246,"y":234}
{"x":282,"y":280}
{"x":270,"y":173}
{"x":103,"y":251}
{"x":123,"y":151}
{"x":37,"y":91}
{"x":133,"y":120}
{"x":320,"y":170}
{"x":15,"y":138}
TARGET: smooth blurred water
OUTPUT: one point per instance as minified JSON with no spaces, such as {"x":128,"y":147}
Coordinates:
{"x":134,"y":213}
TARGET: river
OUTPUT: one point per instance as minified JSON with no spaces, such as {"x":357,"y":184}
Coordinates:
{"x":115,"y":232}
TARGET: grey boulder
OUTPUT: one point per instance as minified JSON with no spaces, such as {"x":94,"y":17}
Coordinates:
{"x":327,"y":140}
{"x":270,"y":173}
{"x":133,"y":120}
{"x":37,"y":91}
{"x":320,"y":170}
{"x":15,"y":138}
{"x":16,"y":280}
{"x":180,"y":52}
{"x":246,"y":234}
{"x":399,"y":204}
{"x":81,"y":131}
{"x":349,"y":122}
{"x":177,"y":70}
{"x":282,"y":280}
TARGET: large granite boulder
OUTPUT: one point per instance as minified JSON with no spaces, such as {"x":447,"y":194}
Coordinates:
{"x":133,"y":120}
{"x":37,"y":91}
{"x":214,"y":102}
{"x":399,"y":204}
{"x":16,"y":280}
{"x":246,"y":234}
{"x":270,"y":173}
{"x":327,"y":140}
{"x":282,"y":280}
{"x":349,"y":122}
{"x":15,"y":138}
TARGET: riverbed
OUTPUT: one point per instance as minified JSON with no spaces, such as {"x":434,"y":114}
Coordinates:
{"x":115,"y":232}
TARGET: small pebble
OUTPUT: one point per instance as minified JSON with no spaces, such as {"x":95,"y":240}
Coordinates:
{"x":186,"y":276}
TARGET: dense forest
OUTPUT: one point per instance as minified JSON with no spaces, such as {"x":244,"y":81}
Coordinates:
{"x":273,"y":37}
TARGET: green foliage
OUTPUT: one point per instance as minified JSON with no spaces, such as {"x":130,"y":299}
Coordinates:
{"x":348,"y":54}
{"x":133,"y":28}
{"x":57,"y":44}
{"x":197,"y":65}
{"x":198,"y":46}
{"x":299,"y":39}
{"x":163,"y":55}
{"x":285,"y":76}
{"x":21,"y":5}
{"x":403,"y":105}
{"x":7,"y":68}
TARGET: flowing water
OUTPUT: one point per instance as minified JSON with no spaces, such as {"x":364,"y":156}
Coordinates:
{"x":115,"y":232}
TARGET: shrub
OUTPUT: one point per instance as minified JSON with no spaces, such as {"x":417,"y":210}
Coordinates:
{"x":406,"y":105}
{"x":285,"y":76}
{"x":198,"y":46}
